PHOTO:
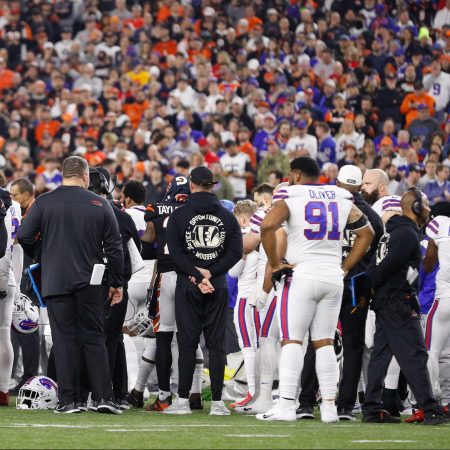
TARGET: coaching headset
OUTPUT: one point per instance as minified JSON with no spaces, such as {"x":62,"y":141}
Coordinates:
{"x":417,"y":204}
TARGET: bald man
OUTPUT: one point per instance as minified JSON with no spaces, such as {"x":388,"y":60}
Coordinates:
{"x":398,"y":331}
{"x":376,"y":192}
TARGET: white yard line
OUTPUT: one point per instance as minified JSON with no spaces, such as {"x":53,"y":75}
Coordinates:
{"x":383,"y":441}
{"x":258,"y":435}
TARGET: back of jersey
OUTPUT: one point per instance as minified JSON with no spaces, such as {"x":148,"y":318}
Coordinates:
{"x":160,"y":216}
{"x":317,"y":218}
{"x":439,"y":230}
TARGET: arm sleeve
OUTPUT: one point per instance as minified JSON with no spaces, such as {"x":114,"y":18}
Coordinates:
{"x":176,"y":249}
{"x":3,"y":237}
{"x":233,"y":253}
{"x":29,"y":230}
{"x":112,"y":245}
{"x":401,"y":245}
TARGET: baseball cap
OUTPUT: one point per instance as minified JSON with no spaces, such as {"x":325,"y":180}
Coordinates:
{"x":237,"y":100}
{"x":227,"y":204}
{"x":182,"y":123}
{"x":301,"y":124}
{"x":331,"y":83}
{"x":272,"y":11}
{"x":270,"y":116}
{"x":202,"y":176}
{"x":350,"y":175}
{"x":209,"y":12}
{"x":203,"y":142}
{"x":399,"y":52}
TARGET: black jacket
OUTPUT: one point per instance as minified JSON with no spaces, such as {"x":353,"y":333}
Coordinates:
{"x":398,"y":251}
{"x":203,"y":233}
{"x":349,"y":237}
{"x":77,"y":228}
{"x":127,"y":229}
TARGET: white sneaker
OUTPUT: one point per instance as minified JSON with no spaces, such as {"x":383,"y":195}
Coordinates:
{"x":276,"y":413}
{"x":218,"y":408}
{"x":328,"y":412}
{"x":257,"y":406}
{"x":180,"y":406}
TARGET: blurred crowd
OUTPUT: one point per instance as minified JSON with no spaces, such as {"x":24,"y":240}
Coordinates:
{"x":151,"y":88}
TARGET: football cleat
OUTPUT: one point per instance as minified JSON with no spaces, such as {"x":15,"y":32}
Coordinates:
{"x":305,"y":412}
{"x":159,"y":405}
{"x":135,"y":398}
{"x":218,"y":408}
{"x":82,"y":406}
{"x":328,"y":412}
{"x":436,"y":418}
{"x":276,"y":413}
{"x":256,"y":406}
{"x":4,"y":398}
{"x":195,"y":402}
{"x":242,"y":402}
{"x":179,"y":407}
{"x":380,"y":417}
{"x":418,"y":416}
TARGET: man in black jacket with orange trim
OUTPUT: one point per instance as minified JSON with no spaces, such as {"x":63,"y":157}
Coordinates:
{"x":204,"y":242}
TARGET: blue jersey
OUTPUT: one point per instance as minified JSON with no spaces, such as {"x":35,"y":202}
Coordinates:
{"x":232,"y":290}
{"x":427,"y":283}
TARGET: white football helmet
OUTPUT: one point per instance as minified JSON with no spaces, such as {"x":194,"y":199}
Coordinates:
{"x":25,"y":318}
{"x":140,"y":324}
{"x":38,"y":393}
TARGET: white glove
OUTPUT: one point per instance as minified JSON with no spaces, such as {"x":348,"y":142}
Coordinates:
{"x":261,"y":300}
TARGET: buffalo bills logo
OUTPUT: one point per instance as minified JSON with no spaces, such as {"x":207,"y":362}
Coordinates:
{"x":47,"y":383}
{"x":28,"y":324}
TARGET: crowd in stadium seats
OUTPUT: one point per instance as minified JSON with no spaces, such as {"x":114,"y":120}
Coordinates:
{"x":150,"y":88}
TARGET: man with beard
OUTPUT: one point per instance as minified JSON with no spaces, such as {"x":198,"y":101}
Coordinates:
{"x":375,"y":191}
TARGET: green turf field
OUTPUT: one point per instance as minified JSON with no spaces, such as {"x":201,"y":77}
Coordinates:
{"x":140,"y":429}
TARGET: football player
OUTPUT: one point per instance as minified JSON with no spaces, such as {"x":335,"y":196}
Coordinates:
{"x":7,"y":293}
{"x":315,"y":217}
{"x":246,"y":318}
{"x":437,"y":334}
{"x":162,"y":304}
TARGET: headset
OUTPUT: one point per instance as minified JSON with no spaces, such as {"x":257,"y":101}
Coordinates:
{"x":417,"y":205}
{"x":103,"y":185}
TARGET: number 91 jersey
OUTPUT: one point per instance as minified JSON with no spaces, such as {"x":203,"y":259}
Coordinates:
{"x":318,"y":215}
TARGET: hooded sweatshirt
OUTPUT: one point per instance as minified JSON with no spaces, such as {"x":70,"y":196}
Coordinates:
{"x":202,"y":233}
{"x":398,"y":255}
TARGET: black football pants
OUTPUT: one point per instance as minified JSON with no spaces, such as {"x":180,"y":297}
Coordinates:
{"x":196,"y":312}
{"x":398,"y":333}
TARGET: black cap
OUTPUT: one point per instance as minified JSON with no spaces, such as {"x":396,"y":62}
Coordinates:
{"x":202,"y":176}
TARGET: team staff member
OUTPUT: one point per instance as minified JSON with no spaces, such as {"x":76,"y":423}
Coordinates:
{"x":204,"y":241}
{"x":22,"y":191}
{"x":398,"y":331}
{"x":77,"y":229}
{"x":115,"y":315}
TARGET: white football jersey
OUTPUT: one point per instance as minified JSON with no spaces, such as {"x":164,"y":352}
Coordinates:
{"x":247,"y":278}
{"x":387,"y":203}
{"x":137,"y":213}
{"x":439,"y":230}
{"x":13,"y":219}
{"x":255,"y":227}
{"x":318,"y":215}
